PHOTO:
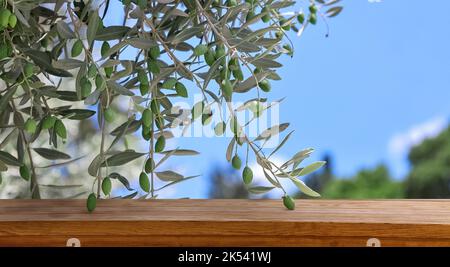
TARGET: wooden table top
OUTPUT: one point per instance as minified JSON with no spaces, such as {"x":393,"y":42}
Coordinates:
{"x":361,"y":211}
{"x":225,"y":223}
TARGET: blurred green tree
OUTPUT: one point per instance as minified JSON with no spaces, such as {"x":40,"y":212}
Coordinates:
{"x":367,"y":184}
{"x":430,"y":168}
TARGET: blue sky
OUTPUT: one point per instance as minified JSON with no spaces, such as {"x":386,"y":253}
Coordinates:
{"x":379,"y":83}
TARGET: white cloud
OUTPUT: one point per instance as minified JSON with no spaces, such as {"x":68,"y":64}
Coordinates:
{"x":401,"y":143}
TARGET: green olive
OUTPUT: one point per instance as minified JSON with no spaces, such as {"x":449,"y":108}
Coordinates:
{"x":77,"y":48}
{"x":147,"y":118}
{"x":4,"y":17}
{"x":289,"y":202}
{"x":313,"y":18}
{"x":265,"y":85}
{"x":220,"y":52}
{"x":160,"y":144}
{"x":301,"y":18}
{"x":238,"y":74}
{"x":149,"y":165}
{"x":236,"y":162}
{"x":144,"y":88}
{"x":227,"y":88}
{"x":109,"y":114}
{"x":154,"y":52}
{"x":12,"y":21}
{"x":104,"y":49}
{"x":247,"y":175}
{"x":30,"y":126}
{"x":45,"y":42}
{"x":266,"y":17}
{"x":210,"y":57}
{"x":144,"y":182}
{"x":91,"y":202}
{"x":142,"y":76}
{"x":153,"y":66}
{"x":48,"y":122}
{"x":220,"y":127}
{"x":313,"y":8}
{"x":106,"y":186}
{"x":200,"y":50}
{"x":146,"y":132}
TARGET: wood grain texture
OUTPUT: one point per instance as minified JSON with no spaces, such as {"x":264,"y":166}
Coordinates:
{"x":225,"y":223}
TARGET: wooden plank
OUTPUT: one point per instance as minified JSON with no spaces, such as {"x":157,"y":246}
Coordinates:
{"x":225,"y":223}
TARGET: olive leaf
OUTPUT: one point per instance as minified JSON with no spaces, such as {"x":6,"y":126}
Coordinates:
{"x":64,"y":30}
{"x":169,"y":176}
{"x":3,"y":167}
{"x":230,"y":149}
{"x":311,"y":168}
{"x":334,"y":11}
{"x":77,"y":114}
{"x":43,"y":60}
{"x":131,"y":127}
{"x":95,"y":165}
{"x":93,"y":23}
{"x":51,"y":154}
{"x":111,"y":33}
{"x":304,"y":188}
{"x":272,"y":131}
{"x":141,"y":43}
{"x":6,"y":97}
{"x":122,"y":158}
{"x":121,"y":90}
{"x":260,"y":189}
{"x":181,"y":152}
{"x":176,"y":182}
{"x":186,"y":34}
{"x":68,"y":64}
{"x":121,"y":179}
{"x":9,"y":159}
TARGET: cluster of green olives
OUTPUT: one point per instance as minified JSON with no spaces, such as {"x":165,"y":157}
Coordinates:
{"x":7,"y":19}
